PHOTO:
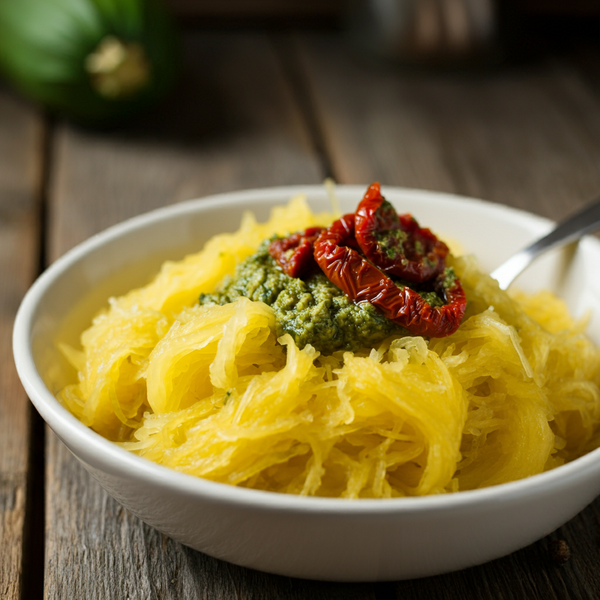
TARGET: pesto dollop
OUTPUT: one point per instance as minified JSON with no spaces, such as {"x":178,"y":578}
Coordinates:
{"x":312,"y":309}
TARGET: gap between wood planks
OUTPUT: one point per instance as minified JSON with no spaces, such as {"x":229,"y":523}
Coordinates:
{"x":34,"y":535}
{"x":299,"y":83}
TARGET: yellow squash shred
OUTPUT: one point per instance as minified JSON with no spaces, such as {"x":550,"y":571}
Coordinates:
{"x":211,"y":391}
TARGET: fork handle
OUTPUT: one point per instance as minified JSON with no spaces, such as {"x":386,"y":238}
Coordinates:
{"x":574,"y":227}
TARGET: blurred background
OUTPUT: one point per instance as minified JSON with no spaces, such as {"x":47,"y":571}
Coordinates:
{"x":111,"y":108}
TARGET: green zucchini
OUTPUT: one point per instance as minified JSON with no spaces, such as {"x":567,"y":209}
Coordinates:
{"x":95,"y":61}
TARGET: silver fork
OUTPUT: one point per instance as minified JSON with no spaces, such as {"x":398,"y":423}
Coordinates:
{"x":569,"y":230}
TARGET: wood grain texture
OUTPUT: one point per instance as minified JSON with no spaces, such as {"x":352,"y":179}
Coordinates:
{"x":97,"y":550}
{"x":527,"y":136}
{"x":233,"y":124}
{"x":528,"y":574}
{"x":20,"y":160}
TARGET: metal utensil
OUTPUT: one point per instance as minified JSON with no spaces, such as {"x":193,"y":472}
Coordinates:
{"x":574,"y":227}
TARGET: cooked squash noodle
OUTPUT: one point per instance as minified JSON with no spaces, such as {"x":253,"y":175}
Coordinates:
{"x":211,"y":391}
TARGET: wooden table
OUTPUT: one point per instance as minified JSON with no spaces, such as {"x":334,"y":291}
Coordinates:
{"x":261,"y":109}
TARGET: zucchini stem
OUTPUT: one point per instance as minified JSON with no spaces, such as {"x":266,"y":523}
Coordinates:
{"x":118,"y":69}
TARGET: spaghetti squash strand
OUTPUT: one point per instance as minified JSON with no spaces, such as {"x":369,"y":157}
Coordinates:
{"x":211,"y":391}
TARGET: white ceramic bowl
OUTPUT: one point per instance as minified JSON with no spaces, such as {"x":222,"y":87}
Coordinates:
{"x":304,"y":537}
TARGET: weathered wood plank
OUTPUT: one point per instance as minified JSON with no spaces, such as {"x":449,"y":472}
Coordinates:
{"x":528,"y":573}
{"x":230,"y":125}
{"x":98,"y":550}
{"x":20,"y":163}
{"x":525,"y":136}
{"x":233,"y":125}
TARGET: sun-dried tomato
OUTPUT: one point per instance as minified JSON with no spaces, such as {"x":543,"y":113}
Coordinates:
{"x":396,"y":243}
{"x":362,"y":281}
{"x":294,"y":254}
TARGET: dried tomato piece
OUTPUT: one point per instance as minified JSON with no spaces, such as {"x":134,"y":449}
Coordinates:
{"x":361,"y":281}
{"x":294,"y":254}
{"x":396,"y":243}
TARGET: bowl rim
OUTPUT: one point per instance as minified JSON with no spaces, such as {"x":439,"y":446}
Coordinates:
{"x":113,"y":457}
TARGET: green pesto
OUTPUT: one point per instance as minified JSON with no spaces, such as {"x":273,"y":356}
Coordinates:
{"x":449,"y":278}
{"x":312,"y":310}
{"x":391,"y":242}
{"x":432,"y":297}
